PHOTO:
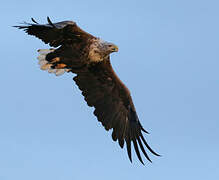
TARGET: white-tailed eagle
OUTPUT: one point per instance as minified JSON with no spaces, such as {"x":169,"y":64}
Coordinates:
{"x":88,"y":57}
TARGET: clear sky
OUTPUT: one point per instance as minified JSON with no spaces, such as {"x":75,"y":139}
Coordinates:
{"x":168,"y":58}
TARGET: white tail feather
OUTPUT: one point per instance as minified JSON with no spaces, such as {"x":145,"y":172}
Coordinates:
{"x":59,"y":72}
{"x":51,"y":70}
{"x":45,"y":51}
{"x":42,"y":62}
{"x":45,"y":65}
{"x":41,"y":57}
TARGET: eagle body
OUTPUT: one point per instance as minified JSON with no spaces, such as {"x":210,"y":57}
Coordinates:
{"x":87,"y":56}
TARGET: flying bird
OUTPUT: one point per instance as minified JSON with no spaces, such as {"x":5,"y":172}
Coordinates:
{"x":87,"y":56}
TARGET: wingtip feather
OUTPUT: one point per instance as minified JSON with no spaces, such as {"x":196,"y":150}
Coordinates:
{"x":34,"y":20}
{"x":128,"y":147}
{"x":50,"y":22}
{"x":149,"y":148}
{"x":143,"y":150}
{"x":137,"y":151}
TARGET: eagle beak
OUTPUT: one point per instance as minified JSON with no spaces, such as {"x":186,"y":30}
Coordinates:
{"x":115,"y":49}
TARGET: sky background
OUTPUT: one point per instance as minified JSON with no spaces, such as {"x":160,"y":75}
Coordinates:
{"x":168,"y":58}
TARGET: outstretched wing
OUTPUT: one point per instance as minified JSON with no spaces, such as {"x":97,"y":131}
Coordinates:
{"x":56,"y":34}
{"x":114,"y":108}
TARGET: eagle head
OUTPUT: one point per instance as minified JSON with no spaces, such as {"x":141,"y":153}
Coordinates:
{"x":100,"y":49}
{"x":107,"y":47}
{"x":111,"y":47}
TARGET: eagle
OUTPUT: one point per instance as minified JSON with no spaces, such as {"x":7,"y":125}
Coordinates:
{"x":88,"y":57}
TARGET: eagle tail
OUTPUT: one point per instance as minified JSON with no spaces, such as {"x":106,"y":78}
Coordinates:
{"x":51,"y":66}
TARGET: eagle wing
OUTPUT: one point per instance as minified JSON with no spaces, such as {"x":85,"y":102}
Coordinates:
{"x":56,"y":34}
{"x":113,"y":104}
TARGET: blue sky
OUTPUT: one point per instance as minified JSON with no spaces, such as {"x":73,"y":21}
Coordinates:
{"x":168,"y":58}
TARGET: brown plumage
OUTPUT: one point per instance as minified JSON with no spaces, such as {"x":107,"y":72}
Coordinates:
{"x":88,"y":57}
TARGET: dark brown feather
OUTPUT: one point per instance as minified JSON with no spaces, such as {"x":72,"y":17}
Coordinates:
{"x":113,"y":105}
{"x":142,"y":149}
{"x":56,"y":34}
{"x":128,"y":147}
{"x":137,"y":151}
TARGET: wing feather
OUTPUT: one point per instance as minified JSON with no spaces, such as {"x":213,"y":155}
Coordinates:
{"x":56,"y":34}
{"x":142,"y":149}
{"x":113,"y":105}
{"x":137,"y":151}
{"x":128,"y":147}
